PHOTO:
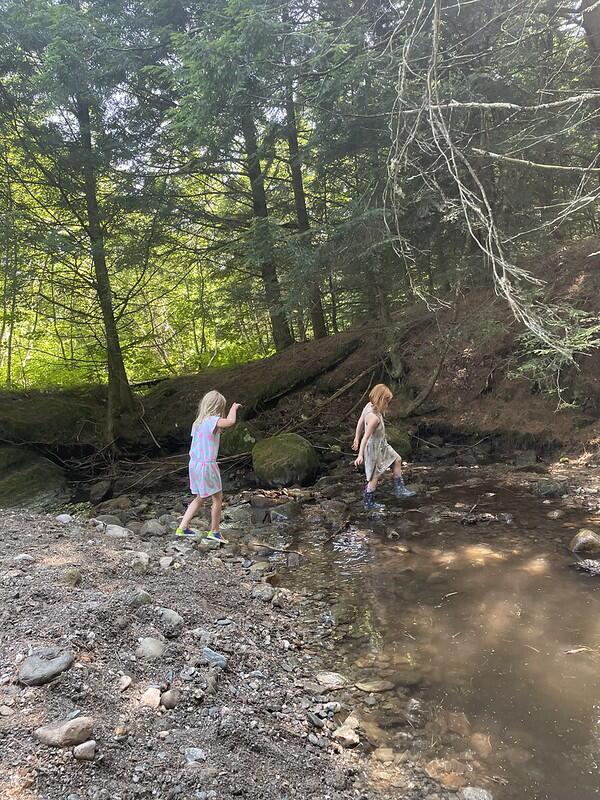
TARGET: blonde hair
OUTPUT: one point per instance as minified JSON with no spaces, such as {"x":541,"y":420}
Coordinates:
{"x":380,"y":397}
{"x":212,"y":405}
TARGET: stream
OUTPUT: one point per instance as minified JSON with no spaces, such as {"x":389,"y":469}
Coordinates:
{"x":489,"y":640}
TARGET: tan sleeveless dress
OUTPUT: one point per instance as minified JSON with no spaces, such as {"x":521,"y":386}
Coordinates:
{"x":379,"y":456}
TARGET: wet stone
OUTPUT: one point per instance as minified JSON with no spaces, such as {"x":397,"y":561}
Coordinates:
{"x":331,"y":680}
{"x":474,"y":793}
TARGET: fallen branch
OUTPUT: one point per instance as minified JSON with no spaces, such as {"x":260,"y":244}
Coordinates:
{"x":276,"y":549}
{"x":534,"y":164}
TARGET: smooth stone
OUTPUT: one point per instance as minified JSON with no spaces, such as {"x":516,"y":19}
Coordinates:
{"x":346,"y":736}
{"x":170,"y":698}
{"x":172,"y":621}
{"x":331,"y":680}
{"x":23,"y":559}
{"x":150,"y":648}
{"x":383,"y":754}
{"x":481,"y":744}
{"x":214,"y":658}
{"x":67,"y":733}
{"x":43,"y":665}
{"x":152,"y":527}
{"x":140,"y":560}
{"x":140,"y":598}
{"x":125,"y":682}
{"x":585,"y":541}
{"x":474,"y":793}
{"x":375,"y":686}
{"x":151,"y":697}
{"x":85,"y":751}
{"x":64,"y":519}
{"x":165,"y":562}
{"x":264,"y":593}
{"x":117,"y":532}
{"x":99,"y":491}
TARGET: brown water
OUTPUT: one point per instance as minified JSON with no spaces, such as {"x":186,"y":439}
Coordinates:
{"x":488,"y":621}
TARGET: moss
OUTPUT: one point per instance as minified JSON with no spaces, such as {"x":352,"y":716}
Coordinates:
{"x":239,"y":439}
{"x":399,"y":440}
{"x":285,"y":460}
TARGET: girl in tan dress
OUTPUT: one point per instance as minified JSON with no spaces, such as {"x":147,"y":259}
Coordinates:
{"x":373,"y":449}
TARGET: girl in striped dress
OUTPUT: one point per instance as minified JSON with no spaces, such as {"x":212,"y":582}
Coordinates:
{"x":205,"y":478}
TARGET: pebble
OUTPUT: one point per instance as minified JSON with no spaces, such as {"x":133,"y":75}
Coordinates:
{"x":215,"y":659}
{"x":124,"y":682}
{"x":85,"y":751}
{"x":265,"y":593}
{"x":194,"y":754}
{"x":72,"y":577}
{"x":170,"y":698}
{"x":64,"y":519}
{"x":45,"y":664}
{"x":66,"y":733}
{"x":140,"y":598}
{"x":315,"y":720}
{"x":165,"y":562}
{"x":474,"y":793}
{"x":116,"y":531}
{"x":151,"y":697}
{"x":172,"y":622}
{"x":150,"y":648}
{"x":23,"y":559}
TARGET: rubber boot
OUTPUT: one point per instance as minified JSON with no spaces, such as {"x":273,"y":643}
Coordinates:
{"x":400,"y":489}
{"x":369,"y":502}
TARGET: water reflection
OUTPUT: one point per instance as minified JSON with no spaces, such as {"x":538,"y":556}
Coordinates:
{"x":490,"y":641}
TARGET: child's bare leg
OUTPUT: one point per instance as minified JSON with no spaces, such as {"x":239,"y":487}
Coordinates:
{"x":191,"y":512}
{"x":215,"y":512}
{"x":372,"y":484}
{"x":398,"y":468}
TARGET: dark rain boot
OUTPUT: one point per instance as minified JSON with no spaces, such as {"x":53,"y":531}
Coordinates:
{"x":369,"y":502}
{"x":400,"y":489}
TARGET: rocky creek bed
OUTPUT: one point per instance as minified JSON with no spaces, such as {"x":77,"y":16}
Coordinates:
{"x":176,"y":670}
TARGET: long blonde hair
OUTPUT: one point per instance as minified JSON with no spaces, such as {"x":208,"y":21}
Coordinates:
{"x":380,"y":397}
{"x":212,"y":405}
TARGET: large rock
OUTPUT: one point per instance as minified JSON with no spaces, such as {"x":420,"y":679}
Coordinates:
{"x":28,"y":479}
{"x":285,"y":460}
{"x":399,"y":440}
{"x":239,"y":439}
{"x":549,"y":488}
{"x":67,"y":733}
{"x":45,"y":664}
{"x":585,"y":541}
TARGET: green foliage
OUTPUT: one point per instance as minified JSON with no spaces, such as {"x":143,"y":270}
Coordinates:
{"x":544,"y":366}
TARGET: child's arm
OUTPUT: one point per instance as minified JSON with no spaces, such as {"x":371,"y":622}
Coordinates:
{"x":231,"y":418}
{"x":371,"y":426}
{"x":360,"y":426}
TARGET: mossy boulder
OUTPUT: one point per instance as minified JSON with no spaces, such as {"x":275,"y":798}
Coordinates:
{"x":239,"y":439}
{"x":399,"y":439}
{"x":285,"y":460}
{"x":28,"y":479}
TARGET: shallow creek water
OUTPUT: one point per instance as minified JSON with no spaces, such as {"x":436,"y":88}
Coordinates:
{"x":491,"y":639}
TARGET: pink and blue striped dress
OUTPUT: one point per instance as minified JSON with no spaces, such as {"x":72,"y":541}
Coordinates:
{"x":205,"y":478}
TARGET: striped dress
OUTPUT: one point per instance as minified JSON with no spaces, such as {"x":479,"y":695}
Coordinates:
{"x":205,"y":478}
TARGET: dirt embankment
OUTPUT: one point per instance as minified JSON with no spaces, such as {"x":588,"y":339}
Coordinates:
{"x":476,"y":391}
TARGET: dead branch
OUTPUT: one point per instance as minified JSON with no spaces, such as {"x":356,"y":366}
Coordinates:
{"x":534,"y":164}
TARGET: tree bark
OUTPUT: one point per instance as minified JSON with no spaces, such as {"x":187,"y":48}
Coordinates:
{"x":591,"y":26}
{"x":282,"y":335}
{"x":317,"y":315}
{"x":120,"y":397}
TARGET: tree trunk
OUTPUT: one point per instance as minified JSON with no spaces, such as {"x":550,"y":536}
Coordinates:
{"x":317,"y":315}
{"x":120,"y":397}
{"x":591,"y":26}
{"x":282,"y":335}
